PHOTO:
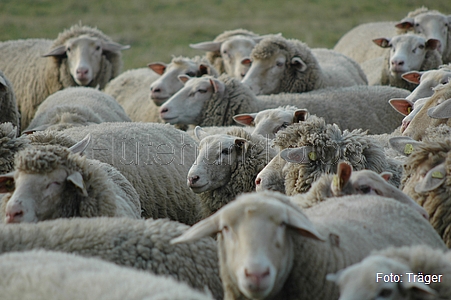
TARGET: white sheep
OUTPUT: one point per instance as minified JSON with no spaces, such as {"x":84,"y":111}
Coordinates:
{"x":52,"y":182}
{"x":76,"y":106}
{"x":209,"y":101}
{"x":269,"y":121}
{"x":139,"y":244}
{"x":410,"y":273}
{"x":229,"y":49}
{"x":53,"y":275}
{"x":8,"y":104}
{"x":407,"y":108}
{"x":281,"y":65}
{"x":226,"y":166}
{"x":408,"y":52}
{"x":270,"y":249}
{"x":154,"y":157}
{"x":80,"y":55}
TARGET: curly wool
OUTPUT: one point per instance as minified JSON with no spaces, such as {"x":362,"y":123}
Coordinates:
{"x":292,"y":81}
{"x":215,"y":58}
{"x":436,"y":202}
{"x":9,"y":145}
{"x":243,"y":175}
{"x":331,"y":146}
{"x":8,"y":105}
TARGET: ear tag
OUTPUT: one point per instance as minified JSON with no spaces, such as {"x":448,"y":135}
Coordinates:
{"x":437,"y":174}
{"x":312,"y":155}
{"x":9,"y":184}
{"x":336,"y":181}
{"x":408,"y":149}
{"x":409,"y":110}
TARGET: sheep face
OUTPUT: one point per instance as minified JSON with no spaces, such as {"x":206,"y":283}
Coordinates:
{"x":186,"y":105}
{"x":357,"y":282}
{"x":255,"y":241}
{"x":35,"y":196}
{"x":272,"y":177}
{"x":427,"y":81}
{"x":217,"y":159}
{"x":234,"y":52}
{"x":169,"y":84}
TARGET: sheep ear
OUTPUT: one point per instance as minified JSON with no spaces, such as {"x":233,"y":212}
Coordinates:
{"x":259,"y":38}
{"x":432,"y":180}
{"x":299,"y":63}
{"x":207,"y":46}
{"x":218,"y":86}
{"x":35,"y":129}
{"x":405,"y":23}
{"x":3,"y":83}
{"x":304,"y":226}
{"x":158,"y":67}
{"x":245,"y":119}
{"x":183,"y":78}
{"x":77,"y":180}
{"x":382,"y":42}
{"x":441,"y":111}
{"x":432,"y":44}
{"x":58,"y":51}
{"x":204,"y":228}
{"x":7,"y":182}
{"x":412,"y":76}
{"x":301,"y":155}
{"x":81,"y":145}
{"x":403,"y":106}
{"x":386,"y":175}
{"x":246,"y":61}
{"x":300,"y":115}
{"x":242,"y":144}
{"x":344,"y":171}
{"x":113,"y":47}
{"x":403,"y":144}
{"x":199,"y":133}
{"x":417,"y":290}
{"x":204,"y":70}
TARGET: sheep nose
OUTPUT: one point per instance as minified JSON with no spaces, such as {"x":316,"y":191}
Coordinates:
{"x":82,"y":71}
{"x":397,"y":62}
{"x":258,"y":181}
{"x":13,"y":215}
{"x":256,"y":277}
{"x":164,"y":110}
{"x":193,"y":179}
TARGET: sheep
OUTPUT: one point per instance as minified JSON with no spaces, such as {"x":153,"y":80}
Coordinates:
{"x":408,"y":109}
{"x":80,"y":55}
{"x":348,"y":182}
{"x":423,"y":273}
{"x":52,"y":275}
{"x":209,"y":101}
{"x":226,"y":166}
{"x":269,"y":121}
{"x":435,"y":111}
{"x":312,"y":148}
{"x":228,"y":50}
{"x":8,"y":104}
{"x":280,"y":65}
{"x":52,"y":182}
{"x":76,"y":106}
{"x":426,"y":179}
{"x":168,"y":84}
{"x":408,"y":52}
{"x":154,"y":157}
{"x":261,"y":259}
{"x":140,"y":244}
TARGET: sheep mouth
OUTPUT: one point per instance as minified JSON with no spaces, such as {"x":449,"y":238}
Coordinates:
{"x":159,"y":100}
{"x":199,"y":188}
{"x":169,"y":120}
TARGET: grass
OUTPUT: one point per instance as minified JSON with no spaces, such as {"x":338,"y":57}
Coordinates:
{"x":158,"y":29}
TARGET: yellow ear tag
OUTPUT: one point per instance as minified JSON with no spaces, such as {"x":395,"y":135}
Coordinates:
{"x":336,"y":181}
{"x":312,"y":155}
{"x":408,"y":149}
{"x":437,"y":174}
{"x":409,"y":110}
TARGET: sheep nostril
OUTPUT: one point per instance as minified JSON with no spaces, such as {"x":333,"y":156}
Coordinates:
{"x":194,"y":179}
{"x":164,"y":110}
{"x":258,"y":181}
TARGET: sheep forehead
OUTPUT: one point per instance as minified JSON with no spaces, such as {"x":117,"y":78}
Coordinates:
{"x":276,"y":115}
{"x":407,"y":40}
{"x":239,"y":42}
{"x":436,"y":17}
{"x":367,"y":177}
{"x":217,"y":141}
{"x":83,"y":40}
{"x":182,"y":63}
{"x":40,"y":179}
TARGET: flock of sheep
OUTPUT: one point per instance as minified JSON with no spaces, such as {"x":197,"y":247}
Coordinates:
{"x":304,"y":173}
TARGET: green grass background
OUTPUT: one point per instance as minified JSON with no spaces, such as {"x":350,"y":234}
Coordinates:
{"x":156,"y":30}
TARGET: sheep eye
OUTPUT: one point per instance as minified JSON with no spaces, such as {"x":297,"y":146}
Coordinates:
{"x":225,"y":228}
{"x":68,"y":49}
{"x":224,"y":52}
{"x":97,"y":48}
{"x":190,"y":74}
{"x":364,"y":189}
{"x":385,"y":293}
{"x":279,"y":64}
{"x":421,"y":46}
{"x":226,"y":151}
{"x":53,"y":183}
{"x":202,"y":91}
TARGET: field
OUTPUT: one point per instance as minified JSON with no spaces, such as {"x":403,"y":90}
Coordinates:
{"x":156,"y":30}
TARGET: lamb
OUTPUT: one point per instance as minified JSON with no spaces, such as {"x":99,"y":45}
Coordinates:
{"x":139,"y":244}
{"x":52,"y":275}
{"x":226,"y":166}
{"x":80,"y":55}
{"x":209,"y":101}
{"x":8,"y":104}
{"x":261,"y":259}
{"x":408,"y":52}
{"x":76,"y":106}
{"x":269,"y":121}
{"x":280,"y":65}
{"x":426,"y":180}
{"x":168,"y":84}
{"x":154,"y":157}
{"x":312,"y":148}
{"x":434,"y":266}
{"x":434,"y":112}
{"x":348,"y":182}
{"x":52,"y":182}
{"x":228,"y":50}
